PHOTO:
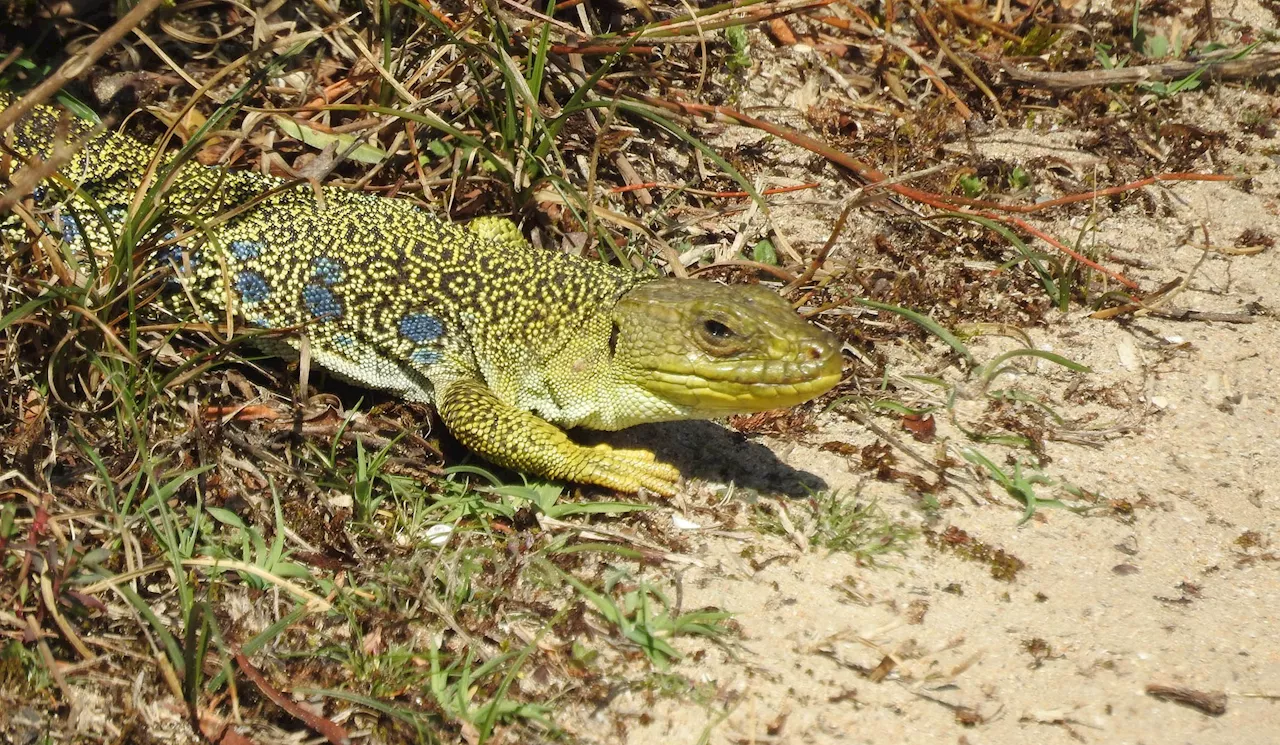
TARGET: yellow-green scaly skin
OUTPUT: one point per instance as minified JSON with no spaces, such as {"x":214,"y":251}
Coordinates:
{"x":510,"y":343}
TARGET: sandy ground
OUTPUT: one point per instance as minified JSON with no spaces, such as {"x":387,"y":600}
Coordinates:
{"x":1169,"y":597}
{"x":1173,"y":581}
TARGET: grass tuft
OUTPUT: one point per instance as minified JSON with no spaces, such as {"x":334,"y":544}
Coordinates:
{"x":836,"y":522}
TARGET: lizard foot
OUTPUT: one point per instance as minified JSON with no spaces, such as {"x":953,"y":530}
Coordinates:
{"x":627,"y":470}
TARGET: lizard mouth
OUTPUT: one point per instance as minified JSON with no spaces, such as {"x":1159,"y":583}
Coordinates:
{"x":739,"y":386}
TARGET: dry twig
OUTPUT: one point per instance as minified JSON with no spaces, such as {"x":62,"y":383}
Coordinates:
{"x":1214,"y":70}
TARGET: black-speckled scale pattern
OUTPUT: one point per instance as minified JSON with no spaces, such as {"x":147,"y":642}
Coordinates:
{"x":387,"y":294}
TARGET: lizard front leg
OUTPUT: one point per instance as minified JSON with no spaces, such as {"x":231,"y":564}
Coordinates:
{"x":521,"y":440}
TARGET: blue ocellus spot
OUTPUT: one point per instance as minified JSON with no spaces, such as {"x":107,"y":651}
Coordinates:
{"x":116,"y":213}
{"x":70,"y":227}
{"x":176,"y":254}
{"x":168,"y":254}
{"x":424,"y":356}
{"x":39,"y":193}
{"x":327,"y":271}
{"x":245,"y":250}
{"x":344,"y":340}
{"x":171,"y":286}
{"x":420,"y":327}
{"x":253,"y":287}
{"x":322,"y":303}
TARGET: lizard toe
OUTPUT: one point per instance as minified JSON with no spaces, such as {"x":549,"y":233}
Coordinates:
{"x":629,"y":471}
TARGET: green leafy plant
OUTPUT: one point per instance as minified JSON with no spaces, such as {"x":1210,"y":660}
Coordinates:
{"x":738,"y":58}
{"x":838,"y":523}
{"x":765,"y":253}
{"x":1019,"y":179}
{"x":644,"y":616}
{"x":972,"y":186}
{"x":1020,"y":484}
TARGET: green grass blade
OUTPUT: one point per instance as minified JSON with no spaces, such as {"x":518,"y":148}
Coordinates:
{"x":1032,"y":257}
{"x":994,"y":367}
{"x":923,"y":321}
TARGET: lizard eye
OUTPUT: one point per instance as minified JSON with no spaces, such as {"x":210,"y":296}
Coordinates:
{"x":717,"y":330}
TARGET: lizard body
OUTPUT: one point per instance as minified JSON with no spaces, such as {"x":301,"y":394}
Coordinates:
{"x":510,"y":343}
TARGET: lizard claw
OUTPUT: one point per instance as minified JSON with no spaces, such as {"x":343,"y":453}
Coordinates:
{"x":627,"y":470}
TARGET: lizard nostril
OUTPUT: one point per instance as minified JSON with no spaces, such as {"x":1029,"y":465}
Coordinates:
{"x":815,"y":351}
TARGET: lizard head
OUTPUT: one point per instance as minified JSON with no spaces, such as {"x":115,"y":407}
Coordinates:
{"x":708,"y":350}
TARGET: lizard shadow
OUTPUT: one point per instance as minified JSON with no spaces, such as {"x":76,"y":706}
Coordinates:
{"x":700,"y":449}
{"x":706,"y":450}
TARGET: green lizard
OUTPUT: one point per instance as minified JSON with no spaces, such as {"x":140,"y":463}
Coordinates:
{"x":511,"y":344}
